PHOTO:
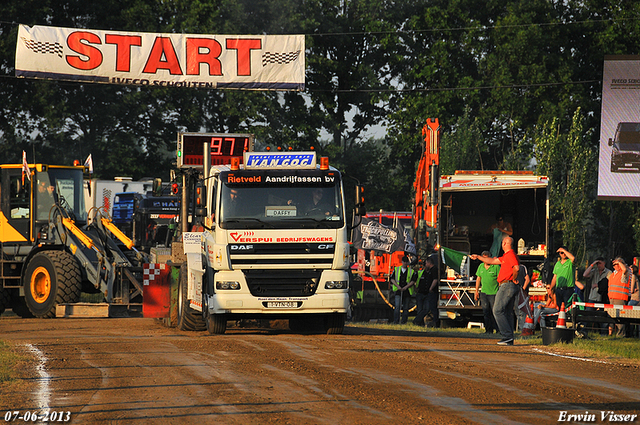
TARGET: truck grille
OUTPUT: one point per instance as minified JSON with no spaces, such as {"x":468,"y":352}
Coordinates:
{"x":280,"y":253}
{"x":282,"y":283}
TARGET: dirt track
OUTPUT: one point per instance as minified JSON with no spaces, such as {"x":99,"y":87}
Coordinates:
{"x":136,"y":371}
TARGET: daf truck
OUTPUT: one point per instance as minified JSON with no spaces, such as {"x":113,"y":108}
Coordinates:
{"x":272,"y":243}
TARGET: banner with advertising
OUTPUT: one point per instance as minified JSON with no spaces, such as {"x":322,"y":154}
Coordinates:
{"x":619,"y":160}
{"x":373,"y":235}
{"x":249,"y":62}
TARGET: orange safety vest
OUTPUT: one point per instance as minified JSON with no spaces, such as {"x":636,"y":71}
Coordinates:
{"x":619,"y":290}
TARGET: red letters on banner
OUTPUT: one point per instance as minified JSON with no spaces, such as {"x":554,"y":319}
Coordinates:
{"x":123,"y":49}
{"x":244,"y":47}
{"x":199,"y":51}
{"x":94,"y":55}
{"x":162,"y":47}
{"x":195,"y":57}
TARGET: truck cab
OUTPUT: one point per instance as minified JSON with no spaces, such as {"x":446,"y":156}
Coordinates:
{"x":625,"y":148}
{"x":275,"y":244}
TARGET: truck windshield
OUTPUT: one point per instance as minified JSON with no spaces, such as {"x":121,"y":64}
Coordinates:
{"x":279,"y":201}
{"x":62,"y":186}
{"x":631,"y":147}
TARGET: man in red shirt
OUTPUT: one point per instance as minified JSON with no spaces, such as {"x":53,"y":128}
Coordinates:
{"x":508,"y":290}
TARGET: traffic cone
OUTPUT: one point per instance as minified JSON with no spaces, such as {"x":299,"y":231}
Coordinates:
{"x":562,"y":318}
{"x":528,"y":329}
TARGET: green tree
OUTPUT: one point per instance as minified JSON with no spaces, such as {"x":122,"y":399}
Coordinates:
{"x":462,"y":148}
{"x":570,"y":165}
{"x":347,"y":64}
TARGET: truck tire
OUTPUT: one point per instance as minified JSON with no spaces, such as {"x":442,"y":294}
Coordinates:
{"x":334,"y":323}
{"x":188,"y":318}
{"x":216,"y":324}
{"x":51,"y":278}
{"x":5,"y":299}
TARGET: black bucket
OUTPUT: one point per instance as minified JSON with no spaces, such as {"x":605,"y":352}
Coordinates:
{"x":553,"y":335}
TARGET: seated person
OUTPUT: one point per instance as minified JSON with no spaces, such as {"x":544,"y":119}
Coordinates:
{"x":45,"y":199}
{"x":550,"y":307}
{"x":316,"y":206}
{"x":232,"y":205}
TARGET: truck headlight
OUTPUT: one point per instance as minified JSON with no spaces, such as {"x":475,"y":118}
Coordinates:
{"x":228,"y":285}
{"x":336,"y":284}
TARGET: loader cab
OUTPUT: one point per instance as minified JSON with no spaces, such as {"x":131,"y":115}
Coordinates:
{"x":27,"y":204}
{"x":16,"y":206}
{"x":61,"y":186}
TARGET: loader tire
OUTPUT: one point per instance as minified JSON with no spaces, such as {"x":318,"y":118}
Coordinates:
{"x":5,"y":299}
{"x":188,"y":318}
{"x":51,"y":278}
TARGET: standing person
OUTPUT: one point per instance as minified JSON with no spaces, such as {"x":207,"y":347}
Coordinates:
{"x":426,"y":282}
{"x":619,"y":285}
{"x":564,"y":276}
{"x":598,"y":276}
{"x":500,"y":230}
{"x":635,"y":292}
{"x":402,"y":280}
{"x":597,"y":286}
{"x":486,"y":289}
{"x":507,"y":290}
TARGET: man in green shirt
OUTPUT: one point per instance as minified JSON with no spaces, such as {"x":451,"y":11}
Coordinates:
{"x":487,"y":278}
{"x":564,"y":277}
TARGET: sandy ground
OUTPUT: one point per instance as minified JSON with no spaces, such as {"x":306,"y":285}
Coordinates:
{"x":122,"y":371}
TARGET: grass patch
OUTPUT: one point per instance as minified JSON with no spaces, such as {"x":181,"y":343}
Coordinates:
{"x":607,"y":346}
{"x":410,"y":327}
{"x":91,"y":298}
{"x":9,"y":363}
{"x":613,"y":348}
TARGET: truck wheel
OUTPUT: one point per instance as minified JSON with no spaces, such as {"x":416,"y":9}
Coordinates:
{"x":51,"y":278}
{"x":216,"y":324}
{"x":334,"y":323}
{"x":5,"y":299}
{"x":188,"y":318}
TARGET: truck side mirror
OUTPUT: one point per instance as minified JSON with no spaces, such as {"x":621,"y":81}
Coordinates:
{"x":610,"y":142}
{"x":360,"y":209}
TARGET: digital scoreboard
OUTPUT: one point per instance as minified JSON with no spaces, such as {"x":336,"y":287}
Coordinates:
{"x":223,"y":147}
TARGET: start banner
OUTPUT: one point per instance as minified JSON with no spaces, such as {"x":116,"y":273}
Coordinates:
{"x":250,"y":62}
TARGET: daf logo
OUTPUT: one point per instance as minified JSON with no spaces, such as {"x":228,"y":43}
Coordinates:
{"x":325,"y":246}
{"x":241,"y":247}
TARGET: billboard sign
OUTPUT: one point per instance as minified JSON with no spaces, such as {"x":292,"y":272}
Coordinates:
{"x":619,"y":160}
{"x":250,"y":62}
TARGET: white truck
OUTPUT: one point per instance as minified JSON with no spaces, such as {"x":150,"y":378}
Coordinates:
{"x":273,"y":245}
{"x":101,"y":193}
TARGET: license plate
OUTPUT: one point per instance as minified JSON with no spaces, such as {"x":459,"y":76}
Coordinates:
{"x":282,"y":304}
